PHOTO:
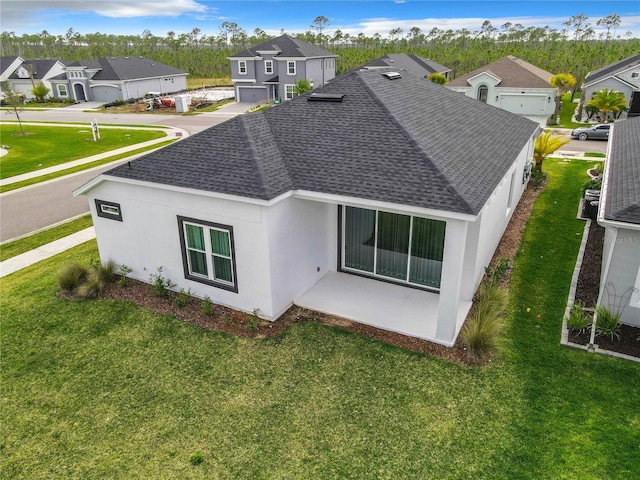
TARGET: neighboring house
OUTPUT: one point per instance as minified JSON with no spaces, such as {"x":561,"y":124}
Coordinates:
{"x":622,"y":76}
{"x":31,"y":72}
{"x":8,"y":65}
{"x":408,"y":62}
{"x":512,"y":85}
{"x":360,"y":199}
{"x":117,"y":78}
{"x":619,"y":214}
{"x":270,"y":70}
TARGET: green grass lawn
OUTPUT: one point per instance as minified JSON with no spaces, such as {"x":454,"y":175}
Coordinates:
{"x":108,"y":390}
{"x":566,"y":112}
{"x":47,"y":146}
{"x":12,"y":249}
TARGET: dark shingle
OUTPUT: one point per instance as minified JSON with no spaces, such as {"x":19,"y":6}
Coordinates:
{"x":622,"y":202}
{"x":39,"y":67}
{"x":127,"y":68}
{"x":612,"y":69}
{"x":287,"y":47}
{"x":404,"y":141}
{"x":512,"y":71}
{"x":415,"y":65}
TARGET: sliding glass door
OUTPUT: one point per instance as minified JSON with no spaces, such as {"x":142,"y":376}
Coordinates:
{"x":399,"y":247}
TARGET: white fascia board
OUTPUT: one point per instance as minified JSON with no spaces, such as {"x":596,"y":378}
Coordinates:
{"x":610,"y":77}
{"x":137,"y":79}
{"x":268,"y":52}
{"x":243,"y":80}
{"x":114,"y":85}
{"x":252,"y":57}
{"x":498,"y":79}
{"x":301,"y":59}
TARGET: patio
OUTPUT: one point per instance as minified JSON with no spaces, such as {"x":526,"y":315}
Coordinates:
{"x":376,"y":303}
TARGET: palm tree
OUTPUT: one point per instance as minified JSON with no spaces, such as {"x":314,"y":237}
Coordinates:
{"x":608,"y":100}
{"x":563,"y":82}
{"x":545,"y":145}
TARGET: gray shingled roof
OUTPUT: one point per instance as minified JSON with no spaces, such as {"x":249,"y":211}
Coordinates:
{"x":405,"y":141}
{"x":418,"y":66}
{"x":622,"y":202}
{"x":41,"y":67}
{"x":127,"y":68}
{"x":5,"y":62}
{"x":612,"y":69}
{"x":288,"y":47}
{"x":513,"y":72}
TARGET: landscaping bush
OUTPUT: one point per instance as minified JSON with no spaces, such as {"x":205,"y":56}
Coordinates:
{"x":106,"y":271}
{"x":71,"y":276}
{"x":607,"y":322}
{"x":92,"y":287}
{"x":159,"y":285}
{"x":577,"y":321}
{"x":593,"y":184}
{"x":482,"y":329}
{"x":207,"y":306}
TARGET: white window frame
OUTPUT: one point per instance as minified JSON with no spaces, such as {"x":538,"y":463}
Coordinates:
{"x":512,"y":187}
{"x":293,"y":92}
{"x":66,"y":90}
{"x":210,"y":278}
{"x":291,"y":63}
{"x":242,"y":65}
{"x":268,"y":67}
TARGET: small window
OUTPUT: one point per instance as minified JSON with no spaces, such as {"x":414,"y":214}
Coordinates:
{"x":291,"y":67}
{"x":62,"y":90}
{"x":483,"y":93}
{"x":242,"y":67}
{"x":268,"y":67}
{"x":109,"y":210}
{"x":208,"y":253}
{"x":290,"y":91}
{"x":635,"y":75}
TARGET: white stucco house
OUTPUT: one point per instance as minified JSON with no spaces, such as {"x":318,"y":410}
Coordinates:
{"x":117,"y":78}
{"x":622,"y":76}
{"x":512,"y":85}
{"x":619,"y":214}
{"x":42,"y":70}
{"x":358,"y":199}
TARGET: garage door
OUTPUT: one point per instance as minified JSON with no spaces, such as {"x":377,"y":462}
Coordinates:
{"x":105,"y":94}
{"x":523,"y":103}
{"x":246,"y":94}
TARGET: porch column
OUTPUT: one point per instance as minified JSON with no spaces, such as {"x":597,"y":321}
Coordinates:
{"x":451,"y":281}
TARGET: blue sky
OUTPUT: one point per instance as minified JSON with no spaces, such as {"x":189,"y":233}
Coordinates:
{"x":295,"y":16}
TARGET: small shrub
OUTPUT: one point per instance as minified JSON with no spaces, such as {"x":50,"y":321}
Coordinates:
{"x":196,"y":459}
{"x":593,"y":184}
{"x":482,"y":329}
{"x":607,"y":322}
{"x":123,"y":271}
{"x":253,"y":322}
{"x":228,"y":320}
{"x":71,"y":276}
{"x":538,"y":177}
{"x":183,"y":297}
{"x":92,"y":287}
{"x":159,"y":285}
{"x":207,"y":306}
{"x":577,"y":321}
{"x":496,"y":274}
{"x":106,"y":271}
{"x":600,"y":167}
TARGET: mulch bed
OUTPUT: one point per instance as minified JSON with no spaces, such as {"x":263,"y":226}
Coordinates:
{"x":587,"y":294}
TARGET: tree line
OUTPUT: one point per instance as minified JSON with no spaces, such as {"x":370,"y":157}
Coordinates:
{"x":576,"y":48}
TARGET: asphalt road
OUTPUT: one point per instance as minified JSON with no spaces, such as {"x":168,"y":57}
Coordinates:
{"x":599,"y":146}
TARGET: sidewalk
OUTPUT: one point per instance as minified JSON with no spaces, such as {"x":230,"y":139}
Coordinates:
{"x":177,"y":133}
{"x":45,"y":251}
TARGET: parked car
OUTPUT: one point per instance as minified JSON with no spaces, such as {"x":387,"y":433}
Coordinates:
{"x":597,"y":132}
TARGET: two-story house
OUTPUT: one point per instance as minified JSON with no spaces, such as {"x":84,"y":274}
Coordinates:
{"x":269,"y":71}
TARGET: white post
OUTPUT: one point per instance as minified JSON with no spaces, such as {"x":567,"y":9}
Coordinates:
{"x":95,"y":129}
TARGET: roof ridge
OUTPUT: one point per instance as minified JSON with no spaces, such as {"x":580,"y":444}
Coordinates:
{"x":438,"y":173}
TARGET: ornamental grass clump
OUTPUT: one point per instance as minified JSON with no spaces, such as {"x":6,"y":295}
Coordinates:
{"x":92,"y":287}
{"x":577,"y":321}
{"x":86,"y":282}
{"x":482,"y":329}
{"x":607,"y":322}
{"x":71,"y":276}
{"x":106,"y":271}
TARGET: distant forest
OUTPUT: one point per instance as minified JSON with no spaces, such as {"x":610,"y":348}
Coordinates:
{"x":576,"y":49}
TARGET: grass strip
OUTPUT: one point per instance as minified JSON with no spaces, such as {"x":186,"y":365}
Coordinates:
{"x":595,"y":154}
{"x":17,"y":247}
{"x":80,"y":168}
{"x":133,"y":125}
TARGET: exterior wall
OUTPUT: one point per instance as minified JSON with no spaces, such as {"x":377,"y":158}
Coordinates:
{"x":620,"y":269}
{"x":302,"y":244}
{"x":25,"y":86}
{"x":320,"y":70}
{"x":148,"y":238}
{"x":139,"y":88}
{"x":106,"y":93}
{"x":611,"y":83}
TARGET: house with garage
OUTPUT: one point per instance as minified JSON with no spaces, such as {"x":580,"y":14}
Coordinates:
{"x":411,"y":63}
{"x":31,"y":72}
{"x":269,"y":71}
{"x":117,"y":78}
{"x":622,"y":76}
{"x":512,"y":85}
{"x":358,"y":199}
{"x":8,"y":65}
{"x":619,"y":214}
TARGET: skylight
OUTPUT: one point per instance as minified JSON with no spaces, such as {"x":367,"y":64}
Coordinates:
{"x":392,"y":75}
{"x":326,"y":97}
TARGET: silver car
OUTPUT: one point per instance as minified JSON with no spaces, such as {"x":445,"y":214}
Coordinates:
{"x":597,"y":132}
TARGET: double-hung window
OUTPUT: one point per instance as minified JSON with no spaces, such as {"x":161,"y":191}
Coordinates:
{"x":208,"y":253}
{"x":400,"y":248}
{"x":62,"y":90}
{"x":291,"y":67}
{"x":268,"y":67}
{"x":242,"y":67}
{"x":290,"y":91}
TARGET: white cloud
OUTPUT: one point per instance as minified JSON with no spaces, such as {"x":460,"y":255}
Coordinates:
{"x":21,"y":12}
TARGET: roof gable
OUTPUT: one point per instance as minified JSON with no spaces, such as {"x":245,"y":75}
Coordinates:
{"x":622,"y":202}
{"x":388,"y":140}
{"x":514,"y":72}
{"x":39,"y":67}
{"x":287,"y":47}
{"x":612,"y":69}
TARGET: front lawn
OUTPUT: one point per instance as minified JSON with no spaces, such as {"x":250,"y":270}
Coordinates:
{"x":46,"y":146}
{"x":105,"y":389}
{"x":567,"y":110}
